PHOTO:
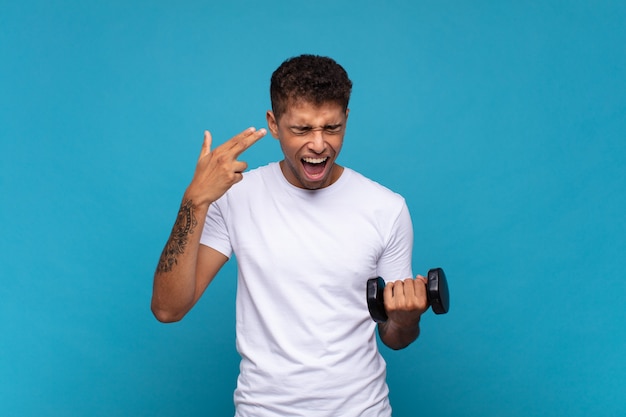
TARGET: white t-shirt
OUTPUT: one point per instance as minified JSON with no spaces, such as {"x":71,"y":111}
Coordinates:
{"x":307,"y":342}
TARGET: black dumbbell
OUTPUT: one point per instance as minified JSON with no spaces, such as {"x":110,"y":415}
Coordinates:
{"x":436,"y":291}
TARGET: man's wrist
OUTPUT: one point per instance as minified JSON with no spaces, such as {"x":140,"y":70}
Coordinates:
{"x":189,"y":199}
{"x":404,"y":327}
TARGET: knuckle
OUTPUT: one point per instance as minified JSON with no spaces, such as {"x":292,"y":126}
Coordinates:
{"x":415,"y":305}
{"x":221,"y":159}
{"x":232,"y":176}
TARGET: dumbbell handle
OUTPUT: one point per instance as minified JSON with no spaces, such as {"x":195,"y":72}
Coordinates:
{"x":436,"y":291}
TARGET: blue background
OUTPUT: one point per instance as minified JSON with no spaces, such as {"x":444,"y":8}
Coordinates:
{"x":502,"y":123}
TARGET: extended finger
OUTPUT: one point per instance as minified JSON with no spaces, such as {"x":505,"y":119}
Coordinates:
{"x":206,"y":144}
{"x":239,"y":143}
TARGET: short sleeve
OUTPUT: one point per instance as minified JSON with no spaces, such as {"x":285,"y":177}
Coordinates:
{"x":396,"y":260}
{"x":215,"y":231}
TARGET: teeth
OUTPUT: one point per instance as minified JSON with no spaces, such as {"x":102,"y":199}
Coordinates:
{"x":314,"y":160}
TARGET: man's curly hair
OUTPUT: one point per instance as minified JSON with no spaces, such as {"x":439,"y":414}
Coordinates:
{"x":309,"y":78}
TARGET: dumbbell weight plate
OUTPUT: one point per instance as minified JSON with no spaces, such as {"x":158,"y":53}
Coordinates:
{"x":438,"y":295}
{"x":375,"y":302}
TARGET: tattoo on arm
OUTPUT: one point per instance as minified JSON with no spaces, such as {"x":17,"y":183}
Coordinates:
{"x":184,"y":226}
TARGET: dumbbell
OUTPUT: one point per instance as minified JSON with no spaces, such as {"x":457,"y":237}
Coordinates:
{"x":436,"y":291}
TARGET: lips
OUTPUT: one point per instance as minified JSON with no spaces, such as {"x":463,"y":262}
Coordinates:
{"x":314,"y":168}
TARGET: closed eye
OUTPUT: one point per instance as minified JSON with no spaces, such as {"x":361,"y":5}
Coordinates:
{"x":305,"y":130}
{"x":300,"y":130}
{"x":333,"y":129}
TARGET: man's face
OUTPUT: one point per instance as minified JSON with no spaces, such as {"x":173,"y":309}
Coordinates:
{"x":311,"y":137}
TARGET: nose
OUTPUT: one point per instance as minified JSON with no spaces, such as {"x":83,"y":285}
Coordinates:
{"x":317,"y":143}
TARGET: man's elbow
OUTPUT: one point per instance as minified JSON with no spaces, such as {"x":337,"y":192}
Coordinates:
{"x":396,"y":345}
{"x":166,"y":316}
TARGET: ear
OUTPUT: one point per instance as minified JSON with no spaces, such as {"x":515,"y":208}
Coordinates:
{"x":272,"y":124}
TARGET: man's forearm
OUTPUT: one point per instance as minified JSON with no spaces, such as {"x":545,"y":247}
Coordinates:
{"x":175,"y":276}
{"x":397,"y":337}
{"x":178,"y":241}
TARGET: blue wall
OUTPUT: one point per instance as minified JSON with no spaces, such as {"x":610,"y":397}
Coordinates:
{"x":502,"y":123}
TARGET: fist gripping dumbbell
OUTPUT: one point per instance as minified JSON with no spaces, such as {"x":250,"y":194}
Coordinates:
{"x":436,"y":291}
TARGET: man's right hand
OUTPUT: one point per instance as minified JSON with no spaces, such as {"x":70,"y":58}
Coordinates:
{"x":185,"y":270}
{"x":217,"y":170}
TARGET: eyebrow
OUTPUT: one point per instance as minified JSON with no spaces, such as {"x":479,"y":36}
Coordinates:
{"x":330,"y":125}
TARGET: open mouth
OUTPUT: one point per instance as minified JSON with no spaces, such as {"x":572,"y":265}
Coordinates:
{"x":314,"y":167}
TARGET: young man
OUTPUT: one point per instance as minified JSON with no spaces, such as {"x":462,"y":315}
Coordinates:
{"x":307,"y":234}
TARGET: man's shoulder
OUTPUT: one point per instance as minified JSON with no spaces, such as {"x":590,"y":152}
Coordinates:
{"x":371,"y":186}
{"x":262,"y":170}
{"x":255,"y":182}
{"x":256,"y":176}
